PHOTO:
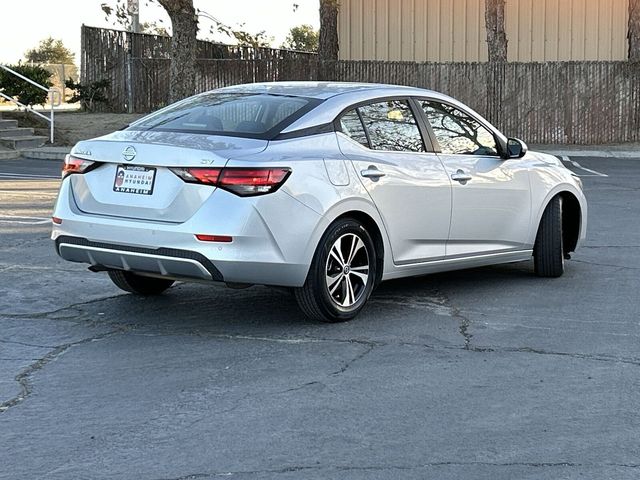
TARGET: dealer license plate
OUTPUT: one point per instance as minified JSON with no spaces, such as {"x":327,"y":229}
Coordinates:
{"x":134,"y":179}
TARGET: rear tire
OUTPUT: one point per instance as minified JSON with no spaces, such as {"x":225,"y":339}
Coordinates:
{"x":342,"y":274}
{"x":548,"y":251}
{"x":134,"y":283}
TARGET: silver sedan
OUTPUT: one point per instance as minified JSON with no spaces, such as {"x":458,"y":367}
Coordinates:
{"x":324,"y":188}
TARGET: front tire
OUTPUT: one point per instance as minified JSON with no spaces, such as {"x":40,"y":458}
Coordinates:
{"x":548,"y":251}
{"x":342,"y":274}
{"x":134,"y":283}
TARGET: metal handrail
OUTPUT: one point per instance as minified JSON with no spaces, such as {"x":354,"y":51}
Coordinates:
{"x":52,"y":99}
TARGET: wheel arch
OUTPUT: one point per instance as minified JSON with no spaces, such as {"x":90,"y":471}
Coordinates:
{"x":571,"y":221}
{"x":364,"y":211}
{"x":573,"y":216}
{"x":376,"y":235}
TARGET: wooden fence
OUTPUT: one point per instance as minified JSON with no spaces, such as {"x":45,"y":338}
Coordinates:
{"x":557,"y":102}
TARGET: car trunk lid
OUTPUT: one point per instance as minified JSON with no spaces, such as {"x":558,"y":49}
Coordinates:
{"x":147,"y":189}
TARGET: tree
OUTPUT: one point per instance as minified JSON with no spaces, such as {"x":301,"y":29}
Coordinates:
{"x":244,"y":38}
{"x":118,"y":15}
{"x":633,"y":33}
{"x":496,"y":36}
{"x":184,"y":23}
{"x":24,"y":92}
{"x":328,"y":41}
{"x":50,"y":50}
{"x":303,"y":38}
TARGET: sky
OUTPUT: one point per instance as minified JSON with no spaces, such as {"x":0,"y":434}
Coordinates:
{"x":62,"y":19}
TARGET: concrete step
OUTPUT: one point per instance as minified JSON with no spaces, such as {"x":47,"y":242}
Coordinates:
{"x":4,"y":124}
{"x":18,"y":143}
{"x":16,"y":132}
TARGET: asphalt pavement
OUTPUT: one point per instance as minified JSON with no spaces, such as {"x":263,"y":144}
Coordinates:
{"x":489,"y":373}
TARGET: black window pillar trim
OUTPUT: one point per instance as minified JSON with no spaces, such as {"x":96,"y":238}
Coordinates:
{"x":364,"y":128}
{"x":424,"y":127}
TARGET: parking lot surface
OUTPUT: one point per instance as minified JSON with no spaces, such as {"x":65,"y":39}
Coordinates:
{"x":490,"y":373}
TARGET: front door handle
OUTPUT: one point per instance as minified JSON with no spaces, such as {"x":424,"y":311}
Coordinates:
{"x":372,"y":172}
{"x":461,"y":176}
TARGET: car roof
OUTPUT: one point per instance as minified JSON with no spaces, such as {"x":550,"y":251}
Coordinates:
{"x":321,"y":90}
{"x":335,"y":97}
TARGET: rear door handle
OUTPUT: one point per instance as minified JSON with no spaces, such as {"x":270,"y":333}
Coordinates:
{"x":461,"y":176}
{"x":372,"y":172}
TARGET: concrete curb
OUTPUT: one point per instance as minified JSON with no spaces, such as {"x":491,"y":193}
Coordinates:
{"x":593,"y":153}
{"x":9,"y":155}
{"x":46,"y":153}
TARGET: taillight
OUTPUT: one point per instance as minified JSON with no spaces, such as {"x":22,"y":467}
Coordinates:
{"x":76,"y":165}
{"x":244,"y":182}
{"x":208,"y":176}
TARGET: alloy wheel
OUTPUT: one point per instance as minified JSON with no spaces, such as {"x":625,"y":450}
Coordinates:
{"x":347,"y":270}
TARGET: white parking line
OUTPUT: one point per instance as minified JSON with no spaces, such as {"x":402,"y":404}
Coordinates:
{"x":20,"y":220}
{"x":593,"y":173}
{"x":27,"y":176}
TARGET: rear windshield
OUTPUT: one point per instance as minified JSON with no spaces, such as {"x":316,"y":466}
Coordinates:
{"x":235,"y":114}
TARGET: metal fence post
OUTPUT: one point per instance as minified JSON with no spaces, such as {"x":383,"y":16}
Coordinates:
{"x":129,"y":80}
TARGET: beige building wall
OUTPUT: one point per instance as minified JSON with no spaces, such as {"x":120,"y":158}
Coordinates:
{"x":454,"y":30}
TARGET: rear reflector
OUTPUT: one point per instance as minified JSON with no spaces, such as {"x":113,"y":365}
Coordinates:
{"x":213,"y":238}
{"x":56,"y":220}
{"x":244,"y":182}
{"x":76,"y":165}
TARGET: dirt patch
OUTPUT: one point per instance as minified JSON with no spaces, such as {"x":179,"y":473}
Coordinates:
{"x":71,"y":127}
{"x":82,"y":126}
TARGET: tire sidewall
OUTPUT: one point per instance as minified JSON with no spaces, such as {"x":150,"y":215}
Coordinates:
{"x":325,"y":302}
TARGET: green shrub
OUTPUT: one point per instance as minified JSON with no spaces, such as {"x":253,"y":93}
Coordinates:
{"x":88,"y":95}
{"x":22,"y":90}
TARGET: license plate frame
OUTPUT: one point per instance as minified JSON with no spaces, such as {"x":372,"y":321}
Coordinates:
{"x":136,"y":179}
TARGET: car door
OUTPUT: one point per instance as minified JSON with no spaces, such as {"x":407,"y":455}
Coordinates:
{"x":491,"y":203}
{"x":407,"y":183}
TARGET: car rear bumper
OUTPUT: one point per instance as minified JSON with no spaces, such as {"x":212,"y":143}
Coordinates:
{"x":162,"y":261}
{"x":271,"y":242}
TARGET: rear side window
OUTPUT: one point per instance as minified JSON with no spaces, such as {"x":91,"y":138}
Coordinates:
{"x":352,"y":127}
{"x":251,"y":115}
{"x":392,"y":126}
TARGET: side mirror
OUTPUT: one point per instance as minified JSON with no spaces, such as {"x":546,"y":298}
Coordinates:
{"x":516,"y":148}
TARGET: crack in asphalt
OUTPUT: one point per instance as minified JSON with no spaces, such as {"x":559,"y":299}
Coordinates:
{"x":15,"y":342}
{"x":24,"y":377}
{"x":47,"y":314}
{"x":368,"y":349}
{"x":299,"y":387}
{"x":440,"y":304}
{"x":624,"y":267}
{"x":464,"y":321}
{"x":347,"y":468}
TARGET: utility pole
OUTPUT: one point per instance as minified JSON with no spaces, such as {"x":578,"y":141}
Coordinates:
{"x":133,"y":9}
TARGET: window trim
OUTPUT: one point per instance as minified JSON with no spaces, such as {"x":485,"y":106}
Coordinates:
{"x":364,"y":128}
{"x":437,"y":148}
{"x":427,"y":143}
